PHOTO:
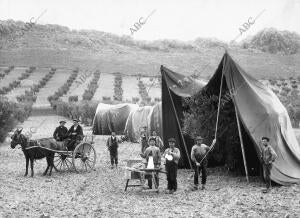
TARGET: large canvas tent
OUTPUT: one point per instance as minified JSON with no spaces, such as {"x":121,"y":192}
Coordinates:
{"x":259,"y":111}
{"x":110,"y":118}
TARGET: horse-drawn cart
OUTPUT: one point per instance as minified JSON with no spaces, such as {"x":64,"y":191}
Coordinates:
{"x":82,"y":159}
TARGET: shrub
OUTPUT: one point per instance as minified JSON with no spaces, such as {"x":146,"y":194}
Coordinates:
{"x":286,"y":89}
{"x":92,"y":87}
{"x":83,"y":109}
{"x":135,"y":99}
{"x":105,"y":98}
{"x":283,"y":93}
{"x":73,"y":98}
{"x":10,"y":114}
{"x":118,"y":91}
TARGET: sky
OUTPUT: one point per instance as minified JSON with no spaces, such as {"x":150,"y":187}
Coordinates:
{"x":169,"y":19}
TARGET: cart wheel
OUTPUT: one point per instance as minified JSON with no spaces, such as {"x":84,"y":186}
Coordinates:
{"x":61,"y":162}
{"x":84,"y":157}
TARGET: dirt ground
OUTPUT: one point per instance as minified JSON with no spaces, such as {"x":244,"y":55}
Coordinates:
{"x":100,"y":193}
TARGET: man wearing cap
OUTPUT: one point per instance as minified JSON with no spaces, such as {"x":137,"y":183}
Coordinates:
{"x":172,"y":156}
{"x":60,"y":131}
{"x":154,"y":152}
{"x":199,"y":157}
{"x":159,"y":143}
{"x":112,"y":145}
{"x":75,"y":133}
{"x":268,"y":156}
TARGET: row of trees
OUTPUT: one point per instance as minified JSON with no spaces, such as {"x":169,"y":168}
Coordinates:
{"x":6,"y":72}
{"x":14,"y":84}
{"x":64,"y":88}
{"x":92,"y":87}
{"x":118,"y":90}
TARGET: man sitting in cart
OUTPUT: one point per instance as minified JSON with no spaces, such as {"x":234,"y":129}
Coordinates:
{"x":60,"y":132}
{"x":74,"y":135}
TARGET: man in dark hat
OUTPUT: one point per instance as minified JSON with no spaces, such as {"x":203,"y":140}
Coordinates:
{"x":268,"y":156}
{"x":60,"y":131}
{"x":172,"y":156}
{"x":75,"y":134}
{"x":112,"y":146}
{"x":199,"y":157}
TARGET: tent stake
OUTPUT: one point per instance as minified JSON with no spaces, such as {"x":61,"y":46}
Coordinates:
{"x":178,"y":123}
{"x":241,"y":141}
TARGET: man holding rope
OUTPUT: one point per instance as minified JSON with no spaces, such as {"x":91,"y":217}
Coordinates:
{"x":199,"y":157}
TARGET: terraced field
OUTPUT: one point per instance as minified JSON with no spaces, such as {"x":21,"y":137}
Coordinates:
{"x":26,"y":84}
{"x":130,"y":88}
{"x":106,"y":87}
{"x":12,"y":76}
{"x":79,"y":85}
{"x":58,"y":79}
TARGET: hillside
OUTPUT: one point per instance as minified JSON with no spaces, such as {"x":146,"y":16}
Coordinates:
{"x":274,"y":41}
{"x":60,"y":47}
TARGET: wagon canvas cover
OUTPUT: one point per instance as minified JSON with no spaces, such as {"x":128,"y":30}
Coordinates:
{"x":136,"y":120}
{"x":110,"y":118}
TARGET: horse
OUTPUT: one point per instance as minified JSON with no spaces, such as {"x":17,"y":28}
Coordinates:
{"x":33,"y":151}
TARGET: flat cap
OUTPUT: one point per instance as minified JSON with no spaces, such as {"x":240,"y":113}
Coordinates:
{"x":199,"y":137}
{"x":265,"y":138}
{"x":171,"y":140}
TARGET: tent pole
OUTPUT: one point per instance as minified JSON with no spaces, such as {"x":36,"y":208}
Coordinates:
{"x":220,"y":95}
{"x":241,"y":141}
{"x":178,"y":123}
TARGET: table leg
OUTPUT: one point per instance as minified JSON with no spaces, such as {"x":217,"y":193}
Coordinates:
{"x":126,"y":184}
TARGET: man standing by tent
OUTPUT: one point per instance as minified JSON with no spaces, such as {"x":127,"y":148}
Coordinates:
{"x":199,"y":157}
{"x":172,"y":156}
{"x":112,"y":145}
{"x":268,"y":156}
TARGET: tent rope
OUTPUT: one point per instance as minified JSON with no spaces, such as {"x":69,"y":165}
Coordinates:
{"x":218,"y":114}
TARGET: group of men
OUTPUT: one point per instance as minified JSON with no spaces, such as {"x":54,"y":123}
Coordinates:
{"x":151,"y":148}
{"x":69,"y":137}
